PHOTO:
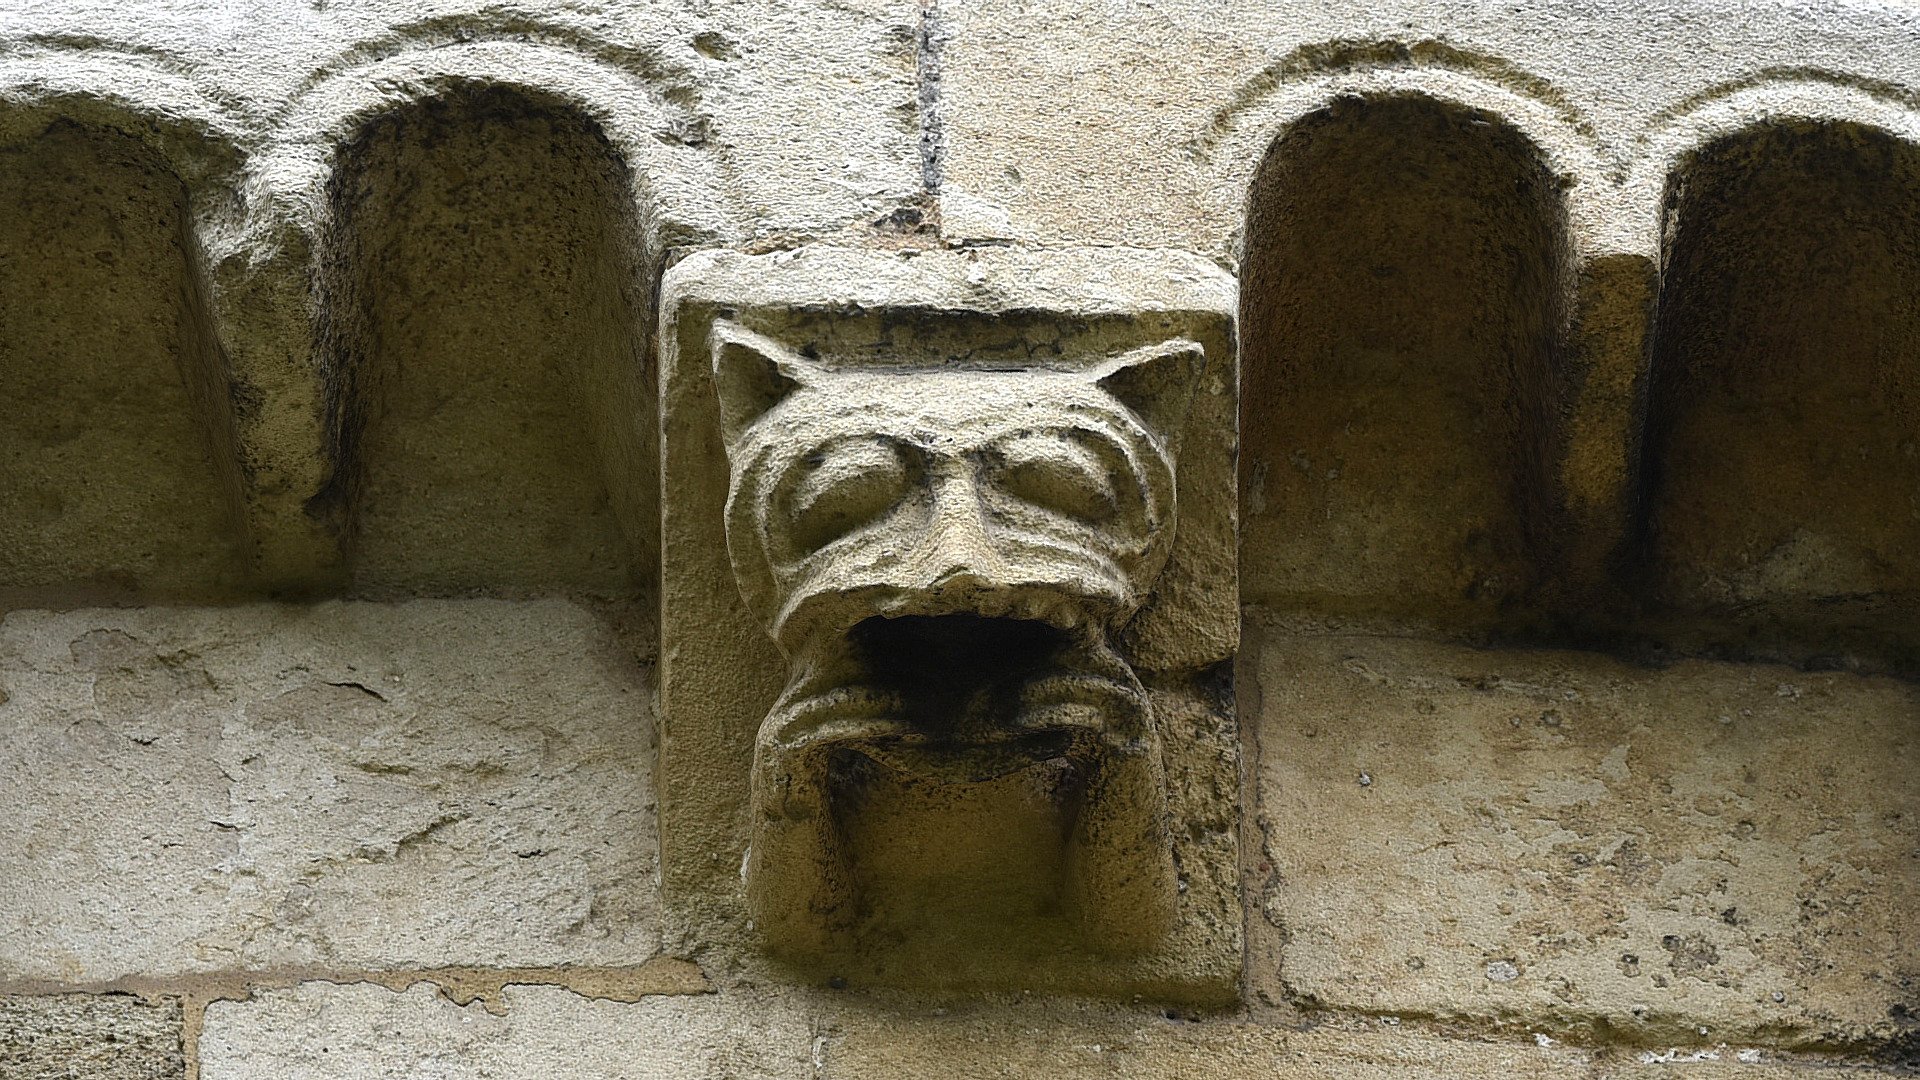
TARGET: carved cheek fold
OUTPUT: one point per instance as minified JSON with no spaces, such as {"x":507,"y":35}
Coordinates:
{"x":835,"y":490}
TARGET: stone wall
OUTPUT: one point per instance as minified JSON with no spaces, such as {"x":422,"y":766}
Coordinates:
{"x":1534,"y":661}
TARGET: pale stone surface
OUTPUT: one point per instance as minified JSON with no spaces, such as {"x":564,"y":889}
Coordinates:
{"x":487,"y":285}
{"x":742,"y":117}
{"x":1559,"y":838}
{"x":1784,"y":379}
{"x":946,"y":553}
{"x":1401,"y":291}
{"x":325,"y":1031}
{"x":90,"y":1037}
{"x":1164,"y":109}
{"x":352,"y":785}
{"x":199,"y":791}
{"x":736,"y":122}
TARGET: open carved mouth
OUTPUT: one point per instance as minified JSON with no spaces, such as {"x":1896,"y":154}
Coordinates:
{"x":954,"y":674}
{"x":972,"y":697}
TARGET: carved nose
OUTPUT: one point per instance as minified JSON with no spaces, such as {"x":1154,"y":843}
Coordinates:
{"x":959,"y":579}
{"x":958,"y":554}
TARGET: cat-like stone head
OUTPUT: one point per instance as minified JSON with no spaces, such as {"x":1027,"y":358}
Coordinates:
{"x":1036,"y":493}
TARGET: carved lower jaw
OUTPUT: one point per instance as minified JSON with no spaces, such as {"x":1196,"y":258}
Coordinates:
{"x":961,"y":700}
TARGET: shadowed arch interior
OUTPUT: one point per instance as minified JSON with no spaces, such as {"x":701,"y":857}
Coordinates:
{"x":118,"y":474}
{"x":1781,"y":499}
{"x":1404,"y":291}
{"x":493,"y":413}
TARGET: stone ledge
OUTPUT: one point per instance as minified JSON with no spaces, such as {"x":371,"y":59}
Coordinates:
{"x":347,"y":1032}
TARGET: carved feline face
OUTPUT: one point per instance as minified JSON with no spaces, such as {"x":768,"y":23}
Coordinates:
{"x":1039,"y":493}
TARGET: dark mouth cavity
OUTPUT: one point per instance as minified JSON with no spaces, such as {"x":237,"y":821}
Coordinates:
{"x":954,"y":673}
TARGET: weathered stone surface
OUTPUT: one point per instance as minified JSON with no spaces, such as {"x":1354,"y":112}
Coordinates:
{"x":1053,"y":116}
{"x":348,"y":1032}
{"x":743,"y":117}
{"x":352,"y":785}
{"x":117,"y":473}
{"x":744,"y":123}
{"x":955,"y":363}
{"x":90,"y":1037}
{"x":325,"y":1031}
{"x":1401,"y":289}
{"x":1461,"y":413}
{"x":1053,"y":1040}
{"x":488,"y":291}
{"x":1562,"y":839}
{"x":1785,"y":429}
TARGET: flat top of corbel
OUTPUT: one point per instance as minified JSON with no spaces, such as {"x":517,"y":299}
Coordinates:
{"x":1072,"y":281}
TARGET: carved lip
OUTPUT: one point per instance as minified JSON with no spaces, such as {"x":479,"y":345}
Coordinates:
{"x":970,"y":697}
{"x":969,"y":764}
{"x":1067,"y":609}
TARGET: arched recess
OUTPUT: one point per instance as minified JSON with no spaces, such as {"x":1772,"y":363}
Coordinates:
{"x":119,"y":477}
{"x":1404,"y":291}
{"x":1781,"y":499}
{"x":487,"y":304}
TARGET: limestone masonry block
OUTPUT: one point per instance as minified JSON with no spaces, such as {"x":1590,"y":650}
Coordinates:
{"x":1088,"y":122}
{"x":349,"y":785}
{"x":325,"y":1031}
{"x":1717,"y":851}
{"x":712,"y":538}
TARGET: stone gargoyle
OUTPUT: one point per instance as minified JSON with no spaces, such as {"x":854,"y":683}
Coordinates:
{"x":944,"y":554}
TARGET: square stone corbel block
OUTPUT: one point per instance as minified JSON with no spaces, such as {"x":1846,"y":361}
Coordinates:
{"x":948,"y":614}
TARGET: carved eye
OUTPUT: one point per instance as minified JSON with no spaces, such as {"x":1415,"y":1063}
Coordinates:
{"x":1058,"y":471}
{"x":841,"y":487}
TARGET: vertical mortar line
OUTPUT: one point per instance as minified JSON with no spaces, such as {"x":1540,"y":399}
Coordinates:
{"x":927,"y":64}
{"x":193,"y":1021}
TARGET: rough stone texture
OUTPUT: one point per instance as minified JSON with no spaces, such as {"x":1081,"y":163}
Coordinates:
{"x":945,"y":312}
{"x":738,"y":122}
{"x":491,"y":304}
{"x":90,"y":1037}
{"x":350,"y":785}
{"x":1440,"y":429}
{"x":359,"y":1032}
{"x":1785,"y":376}
{"x":1562,"y":840}
{"x":1046,"y":1040}
{"x":1609,"y":259}
{"x":116,"y":469}
{"x":1165,"y":110}
{"x":804,"y":111}
{"x":324,"y":1031}
{"x":946,"y":549}
{"x":1402,"y":289}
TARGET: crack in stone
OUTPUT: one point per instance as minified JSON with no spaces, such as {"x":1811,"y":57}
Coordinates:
{"x":927,"y":71}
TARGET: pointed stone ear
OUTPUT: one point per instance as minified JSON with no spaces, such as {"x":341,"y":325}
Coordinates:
{"x":751,"y":373}
{"x":1157,"y":382}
